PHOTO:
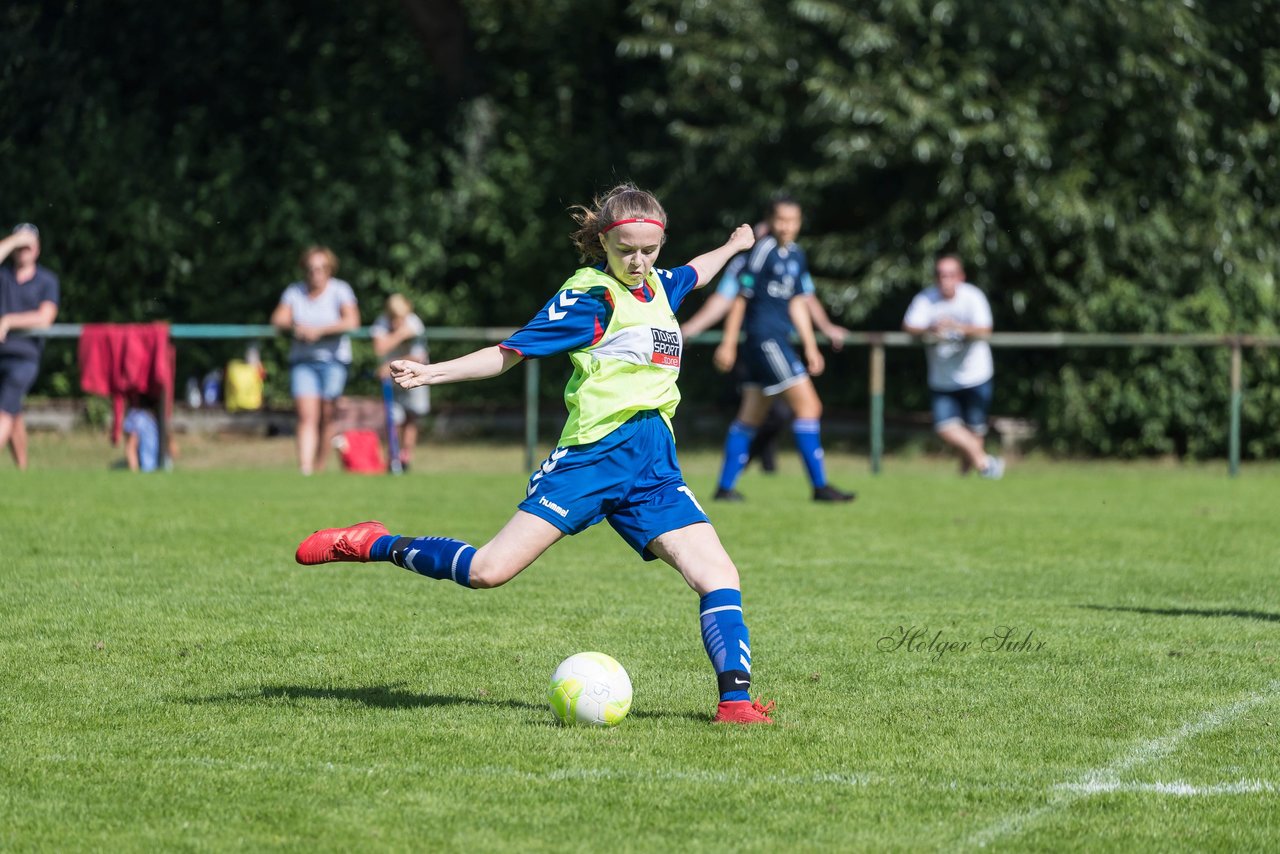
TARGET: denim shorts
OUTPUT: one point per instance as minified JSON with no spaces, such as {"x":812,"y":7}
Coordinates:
{"x":317,"y":379}
{"x":968,"y":406}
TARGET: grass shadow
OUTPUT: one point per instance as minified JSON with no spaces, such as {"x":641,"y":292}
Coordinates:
{"x":1191,"y":612}
{"x":393,"y":697}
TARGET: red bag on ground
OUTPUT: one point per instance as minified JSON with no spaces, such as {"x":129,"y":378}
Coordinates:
{"x":361,"y":452}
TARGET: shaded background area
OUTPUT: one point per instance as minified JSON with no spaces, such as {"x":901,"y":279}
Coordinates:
{"x":1100,"y":168}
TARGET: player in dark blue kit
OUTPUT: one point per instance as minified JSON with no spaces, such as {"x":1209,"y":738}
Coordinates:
{"x":770,"y":307}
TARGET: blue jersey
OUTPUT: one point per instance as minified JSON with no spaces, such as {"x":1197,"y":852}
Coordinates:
{"x":768,"y":278}
{"x":561,"y":326}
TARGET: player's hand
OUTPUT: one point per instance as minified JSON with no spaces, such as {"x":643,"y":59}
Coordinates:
{"x":742,"y":239}
{"x":836,"y":334}
{"x":24,"y":239}
{"x":409,"y":374}
{"x":814,"y":361}
{"x":305,"y":334}
{"x":4,"y":328}
{"x":726,"y":354}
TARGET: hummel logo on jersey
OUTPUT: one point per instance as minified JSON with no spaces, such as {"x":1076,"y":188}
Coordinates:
{"x":566,"y":299}
{"x":556,"y":456}
{"x":666,"y":347}
{"x":552,"y":506}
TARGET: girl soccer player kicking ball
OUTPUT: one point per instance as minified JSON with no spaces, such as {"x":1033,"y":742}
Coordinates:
{"x":616,"y":458}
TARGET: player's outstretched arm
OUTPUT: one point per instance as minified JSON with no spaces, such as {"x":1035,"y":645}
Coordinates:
{"x":727,"y":353}
{"x":480,"y":365}
{"x":798,"y":309}
{"x":715,"y":308}
{"x":822,"y":322}
{"x":710,"y":263}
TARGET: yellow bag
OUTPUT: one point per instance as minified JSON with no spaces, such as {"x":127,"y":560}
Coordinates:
{"x":242,"y":389}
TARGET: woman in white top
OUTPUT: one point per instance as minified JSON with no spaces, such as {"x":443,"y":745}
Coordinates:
{"x":318,"y":312}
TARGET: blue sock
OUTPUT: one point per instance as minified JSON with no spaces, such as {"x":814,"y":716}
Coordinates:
{"x":737,"y":450}
{"x":810,"y":446}
{"x":435,"y":557}
{"x":724,"y":634}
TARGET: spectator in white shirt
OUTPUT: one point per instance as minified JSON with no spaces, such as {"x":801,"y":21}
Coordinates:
{"x":953,"y":318}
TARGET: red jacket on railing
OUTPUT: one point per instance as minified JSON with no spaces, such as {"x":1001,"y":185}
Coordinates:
{"x":122,"y":359}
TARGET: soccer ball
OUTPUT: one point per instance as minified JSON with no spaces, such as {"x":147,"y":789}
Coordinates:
{"x":590,"y":688}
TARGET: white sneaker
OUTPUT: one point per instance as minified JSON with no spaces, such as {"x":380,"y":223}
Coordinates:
{"x":994,"y":469}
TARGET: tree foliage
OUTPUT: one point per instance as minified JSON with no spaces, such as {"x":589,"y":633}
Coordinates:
{"x":1101,"y":166}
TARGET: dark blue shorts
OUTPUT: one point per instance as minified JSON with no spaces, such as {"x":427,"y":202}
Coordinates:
{"x":630,"y":477}
{"x":17,"y":376}
{"x":968,"y":406}
{"x":772,"y":365}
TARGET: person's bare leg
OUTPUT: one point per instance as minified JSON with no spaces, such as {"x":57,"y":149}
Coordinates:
{"x":324,"y":430}
{"x":754,"y":407}
{"x":6,"y":429}
{"x":18,"y":442}
{"x":520,"y":542}
{"x":695,"y":551}
{"x":966,"y":443}
{"x":408,"y":438}
{"x":803,"y":400}
{"x":308,"y":432}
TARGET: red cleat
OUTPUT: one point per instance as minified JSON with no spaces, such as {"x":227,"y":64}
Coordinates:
{"x":743,"y":712}
{"x":335,"y":544}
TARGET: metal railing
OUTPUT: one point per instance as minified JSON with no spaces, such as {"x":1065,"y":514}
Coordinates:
{"x":876,"y":341}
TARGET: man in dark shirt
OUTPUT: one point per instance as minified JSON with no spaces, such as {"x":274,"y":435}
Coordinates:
{"x":28,"y":300}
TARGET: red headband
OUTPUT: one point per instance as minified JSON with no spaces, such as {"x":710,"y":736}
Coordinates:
{"x":629,"y":220}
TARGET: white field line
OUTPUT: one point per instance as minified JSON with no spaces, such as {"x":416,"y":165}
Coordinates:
{"x":1097,"y":779}
{"x":1177,"y":788}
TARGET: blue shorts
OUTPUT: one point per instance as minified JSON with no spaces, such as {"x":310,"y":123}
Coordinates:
{"x":772,"y":365}
{"x":630,"y":477}
{"x":17,"y":375}
{"x":968,"y":406}
{"x":317,"y":379}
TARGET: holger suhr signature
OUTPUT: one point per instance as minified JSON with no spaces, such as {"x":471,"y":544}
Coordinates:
{"x":936,"y":645}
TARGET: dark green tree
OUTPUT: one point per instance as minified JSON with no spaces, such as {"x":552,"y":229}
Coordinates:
{"x":1100,"y":167}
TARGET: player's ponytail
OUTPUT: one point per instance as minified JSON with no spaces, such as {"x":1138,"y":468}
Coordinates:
{"x":623,"y":202}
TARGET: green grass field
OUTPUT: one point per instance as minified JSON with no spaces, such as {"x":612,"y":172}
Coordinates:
{"x":175,"y":682}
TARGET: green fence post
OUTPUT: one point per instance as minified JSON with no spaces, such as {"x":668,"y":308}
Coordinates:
{"x":1236,"y":398}
{"x":877,"y":403}
{"x":530,"y":412}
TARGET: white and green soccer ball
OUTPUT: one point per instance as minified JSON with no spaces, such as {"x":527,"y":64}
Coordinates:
{"x":590,"y":688}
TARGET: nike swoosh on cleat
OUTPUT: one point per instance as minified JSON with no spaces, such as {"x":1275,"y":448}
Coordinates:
{"x":742,"y":681}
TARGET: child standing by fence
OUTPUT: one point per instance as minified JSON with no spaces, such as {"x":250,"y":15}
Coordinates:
{"x":398,"y":333}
